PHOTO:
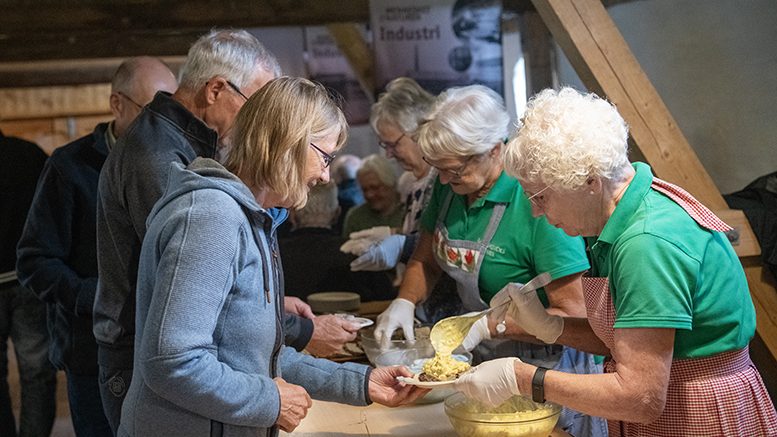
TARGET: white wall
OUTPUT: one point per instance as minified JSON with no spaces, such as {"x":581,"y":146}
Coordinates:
{"x":714,"y":63}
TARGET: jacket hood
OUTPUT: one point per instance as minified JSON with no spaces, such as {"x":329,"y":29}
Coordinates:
{"x":206,"y":173}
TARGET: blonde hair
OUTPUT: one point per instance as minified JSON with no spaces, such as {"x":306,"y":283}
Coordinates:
{"x":404,"y":104}
{"x":273,"y":132}
{"x":566,"y":137}
{"x":465,"y":121}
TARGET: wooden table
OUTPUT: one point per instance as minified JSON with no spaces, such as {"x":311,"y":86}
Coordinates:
{"x":328,"y":419}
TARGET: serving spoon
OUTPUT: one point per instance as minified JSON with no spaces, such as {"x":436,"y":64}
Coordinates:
{"x":450,"y":332}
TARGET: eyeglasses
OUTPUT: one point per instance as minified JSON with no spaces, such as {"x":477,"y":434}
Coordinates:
{"x":537,"y":201}
{"x":128,"y":98}
{"x":237,"y":90}
{"x":454,"y":173}
{"x":325,"y":156}
{"x":391,"y":144}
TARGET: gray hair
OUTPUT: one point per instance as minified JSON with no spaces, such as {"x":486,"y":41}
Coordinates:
{"x":232,"y":54}
{"x":381,"y":167}
{"x":565,"y":137}
{"x":344,"y":167}
{"x":465,"y":121}
{"x":404,"y":103}
{"x":322,"y":207}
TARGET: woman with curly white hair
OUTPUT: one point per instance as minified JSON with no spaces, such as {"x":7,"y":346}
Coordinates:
{"x":478,"y":228}
{"x":670,"y":308}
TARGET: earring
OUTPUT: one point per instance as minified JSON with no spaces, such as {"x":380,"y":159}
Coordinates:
{"x":591,"y":192}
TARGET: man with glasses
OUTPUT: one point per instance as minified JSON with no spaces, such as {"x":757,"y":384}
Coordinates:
{"x":57,"y":256}
{"x":222,"y":68}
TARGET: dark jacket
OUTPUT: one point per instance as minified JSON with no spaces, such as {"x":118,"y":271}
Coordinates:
{"x":20,"y":167}
{"x":57,"y":256}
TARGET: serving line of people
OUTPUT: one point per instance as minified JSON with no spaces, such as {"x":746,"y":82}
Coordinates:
{"x":668,"y":303}
{"x":479,"y":229}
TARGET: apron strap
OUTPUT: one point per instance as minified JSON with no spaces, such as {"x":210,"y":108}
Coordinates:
{"x":700,"y":213}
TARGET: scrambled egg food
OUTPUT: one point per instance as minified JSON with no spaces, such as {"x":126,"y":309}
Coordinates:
{"x":444,"y":368}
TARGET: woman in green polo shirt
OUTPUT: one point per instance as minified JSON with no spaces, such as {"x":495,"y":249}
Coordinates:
{"x":479,"y":229}
{"x":671,"y":311}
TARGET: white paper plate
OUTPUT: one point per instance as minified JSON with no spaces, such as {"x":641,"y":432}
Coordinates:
{"x":424,"y":384}
{"x":362,"y":321}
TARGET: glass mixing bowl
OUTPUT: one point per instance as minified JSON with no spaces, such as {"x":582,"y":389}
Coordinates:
{"x":372,"y":348}
{"x":517,"y":417}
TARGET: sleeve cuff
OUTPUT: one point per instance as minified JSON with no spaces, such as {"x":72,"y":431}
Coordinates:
{"x":299,"y":331}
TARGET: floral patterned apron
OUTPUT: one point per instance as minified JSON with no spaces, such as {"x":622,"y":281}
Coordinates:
{"x":462,"y":260}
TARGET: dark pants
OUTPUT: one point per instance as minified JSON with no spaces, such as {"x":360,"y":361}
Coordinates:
{"x":86,"y":409}
{"x":113,"y":389}
{"x":23,"y":320}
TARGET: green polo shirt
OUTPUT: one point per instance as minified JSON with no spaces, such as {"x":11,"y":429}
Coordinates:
{"x":666,"y":271}
{"x":523,"y":246}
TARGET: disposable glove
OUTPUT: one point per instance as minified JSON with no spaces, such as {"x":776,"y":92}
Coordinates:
{"x":491,"y":383}
{"x":357,"y":246}
{"x":399,"y":314}
{"x":375,"y":233}
{"x":529,"y":313}
{"x":382,"y":255}
{"x":477,"y":333}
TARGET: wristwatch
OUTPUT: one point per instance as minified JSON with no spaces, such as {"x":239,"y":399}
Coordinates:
{"x":538,"y":385}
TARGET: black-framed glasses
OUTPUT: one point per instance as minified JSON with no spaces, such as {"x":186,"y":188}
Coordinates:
{"x":391,"y":144}
{"x":455,"y":173}
{"x":325,"y":156}
{"x":130,"y":99}
{"x":237,"y":90}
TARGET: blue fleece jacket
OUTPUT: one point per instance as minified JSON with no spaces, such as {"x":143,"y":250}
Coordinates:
{"x":209,"y":337}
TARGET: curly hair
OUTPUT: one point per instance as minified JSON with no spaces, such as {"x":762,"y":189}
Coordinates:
{"x":465,"y":121}
{"x":566,"y":137}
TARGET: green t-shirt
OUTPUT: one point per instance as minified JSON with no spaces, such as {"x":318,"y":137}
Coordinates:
{"x":522,"y":247}
{"x":666,"y":271}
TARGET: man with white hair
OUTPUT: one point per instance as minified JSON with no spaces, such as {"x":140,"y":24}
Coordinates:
{"x":221,"y":70}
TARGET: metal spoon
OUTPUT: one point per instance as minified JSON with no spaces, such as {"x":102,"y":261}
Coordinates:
{"x":449,"y":333}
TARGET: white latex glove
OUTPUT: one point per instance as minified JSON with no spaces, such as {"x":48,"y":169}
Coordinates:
{"x":382,"y":255}
{"x":529,"y":313}
{"x":491,"y":383}
{"x":375,"y":233}
{"x":503,"y":296}
{"x":399,"y":314}
{"x":477,"y":333}
{"x":357,"y":246}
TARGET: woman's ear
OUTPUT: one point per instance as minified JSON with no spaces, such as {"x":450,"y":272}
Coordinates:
{"x":593,"y":185}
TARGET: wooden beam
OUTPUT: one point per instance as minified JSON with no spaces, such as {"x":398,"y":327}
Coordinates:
{"x":49,"y":102}
{"x":66,"y":72}
{"x":604,"y":62}
{"x":352,"y":44}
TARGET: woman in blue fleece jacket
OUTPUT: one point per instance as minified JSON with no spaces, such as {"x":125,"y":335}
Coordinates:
{"x":209,"y":354}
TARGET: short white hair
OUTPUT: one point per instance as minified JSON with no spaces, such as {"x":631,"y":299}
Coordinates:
{"x":233,"y":54}
{"x":465,"y":121}
{"x":404,"y":104}
{"x":381,"y":167}
{"x":566,"y":137}
{"x":320,"y":209}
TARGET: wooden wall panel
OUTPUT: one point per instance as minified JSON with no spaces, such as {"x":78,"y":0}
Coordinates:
{"x":50,"y":102}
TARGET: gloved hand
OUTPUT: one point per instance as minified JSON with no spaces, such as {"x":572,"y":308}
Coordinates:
{"x":375,"y":233}
{"x":399,"y":314}
{"x":491,"y":383}
{"x":529,"y":313}
{"x":357,"y":246}
{"x":382,"y":255}
{"x":477,"y":333}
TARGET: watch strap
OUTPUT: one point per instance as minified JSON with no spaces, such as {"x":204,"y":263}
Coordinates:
{"x":538,"y":385}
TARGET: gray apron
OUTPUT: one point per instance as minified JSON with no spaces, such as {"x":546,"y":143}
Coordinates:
{"x":461,"y":260}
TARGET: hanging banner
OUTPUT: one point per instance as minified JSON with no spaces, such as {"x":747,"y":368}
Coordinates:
{"x":439,"y":43}
{"x":327,"y":65}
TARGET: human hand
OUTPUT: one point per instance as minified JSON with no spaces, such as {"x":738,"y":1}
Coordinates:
{"x":381,"y":255}
{"x":375,"y":233}
{"x":476,"y":334}
{"x":399,"y":314}
{"x":491,"y":383}
{"x":529,"y":313}
{"x":357,"y":246}
{"x":295,"y":305}
{"x":295,"y":402}
{"x":330,"y":333}
{"x":386,"y":390}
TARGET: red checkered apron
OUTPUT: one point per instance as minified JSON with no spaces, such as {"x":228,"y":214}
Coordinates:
{"x":721,"y":395}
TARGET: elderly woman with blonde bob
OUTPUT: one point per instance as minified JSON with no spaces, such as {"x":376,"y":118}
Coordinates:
{"x":669,"y":305}
{"x":209,"y":344}
{"x":478,"y":228}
